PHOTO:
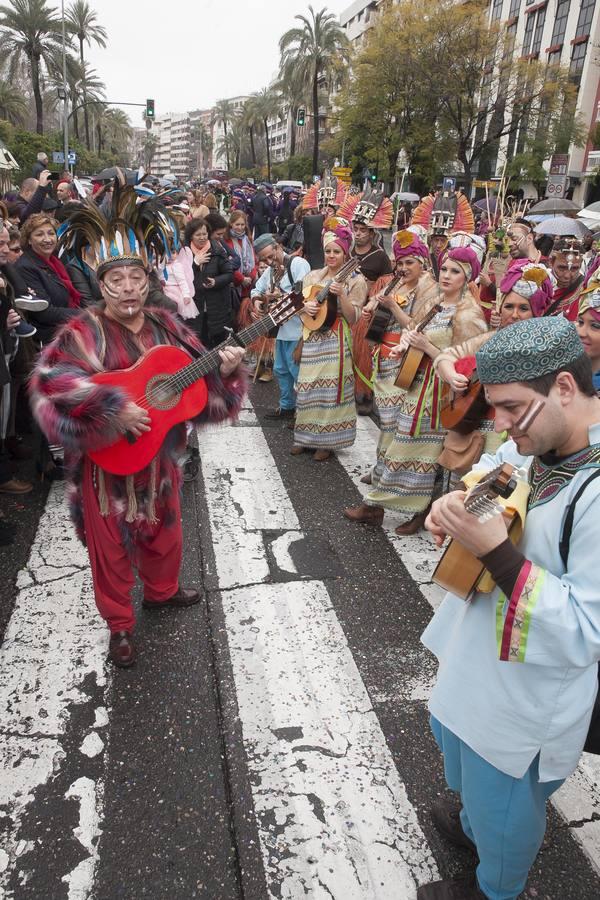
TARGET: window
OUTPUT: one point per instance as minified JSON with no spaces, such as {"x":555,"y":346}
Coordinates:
{"x":528,"y":35}
{"x":586,"y":14}
{"x":497,"y":10}
{"x":560,"y":22}
{"x":577,"y":61}
{"x":509,"y":42}
{"x":539,"y":28}
{"x":515,"y":6}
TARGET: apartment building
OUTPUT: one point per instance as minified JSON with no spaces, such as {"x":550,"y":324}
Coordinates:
{"x":357,"y":18}
{"x":564,"y":32}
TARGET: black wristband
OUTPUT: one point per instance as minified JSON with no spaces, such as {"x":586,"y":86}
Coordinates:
{"x":504,"y":563}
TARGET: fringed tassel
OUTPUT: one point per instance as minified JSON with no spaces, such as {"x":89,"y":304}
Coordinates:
{"x":102,"y":494}
{"x":131,"y":499}
{"x":297,"y":353}
{"x":152,"y":517}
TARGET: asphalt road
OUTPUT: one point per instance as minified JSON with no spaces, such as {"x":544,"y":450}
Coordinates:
{"x":272,"y":741}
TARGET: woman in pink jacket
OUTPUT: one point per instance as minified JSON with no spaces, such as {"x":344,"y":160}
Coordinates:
{"x":179,"y":283}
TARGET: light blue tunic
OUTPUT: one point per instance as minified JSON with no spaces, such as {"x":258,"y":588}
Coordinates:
{"x":541,"y":700}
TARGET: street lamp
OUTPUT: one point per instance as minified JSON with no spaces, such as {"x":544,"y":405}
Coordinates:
{"x":65,"y":98}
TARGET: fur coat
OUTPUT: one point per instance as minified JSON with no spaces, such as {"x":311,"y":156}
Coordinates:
{"x":81,"y":416}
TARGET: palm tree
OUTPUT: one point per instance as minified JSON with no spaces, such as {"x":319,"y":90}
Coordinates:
{"x":82,"y":83}
{"x":294,"y":91}
{"x":82,"y":23}
{"x":13,"y":106}
{"x":30,"y":29}
{"x":315,"y":50}
{"x":202,"y":141}
{"x":223,"y":115}
{"x":267,"y":103}
{"x":113,"y":128}
{"x":228,"y":147}
{"x":251,"y":119}
{"x":149,"y":148}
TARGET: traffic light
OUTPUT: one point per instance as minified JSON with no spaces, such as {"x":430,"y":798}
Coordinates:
{"x":373,"y":177}
{"x":301,"y":116}
{"x":149,"y":109}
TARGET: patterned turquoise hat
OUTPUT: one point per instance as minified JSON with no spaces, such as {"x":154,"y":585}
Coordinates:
{"x":528,"y":350}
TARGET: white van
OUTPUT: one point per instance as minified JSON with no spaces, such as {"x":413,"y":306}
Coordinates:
{"x":296,"y":185}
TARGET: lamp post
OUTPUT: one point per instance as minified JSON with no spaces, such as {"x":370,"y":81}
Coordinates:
{"x":65,"y":92}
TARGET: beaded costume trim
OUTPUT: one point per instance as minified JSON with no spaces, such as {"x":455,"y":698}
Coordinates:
{"x":547,"y":481}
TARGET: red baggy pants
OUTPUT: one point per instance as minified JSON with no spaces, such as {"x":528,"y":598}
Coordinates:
{"x":156,"y":552}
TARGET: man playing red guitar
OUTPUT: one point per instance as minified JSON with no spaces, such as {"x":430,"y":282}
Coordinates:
{"x":132,"y":520}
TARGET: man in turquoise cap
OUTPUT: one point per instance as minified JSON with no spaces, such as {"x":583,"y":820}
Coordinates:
{"x":518,"y":666}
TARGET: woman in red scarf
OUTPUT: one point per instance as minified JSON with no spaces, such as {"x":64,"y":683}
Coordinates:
{"x":46,"y":276}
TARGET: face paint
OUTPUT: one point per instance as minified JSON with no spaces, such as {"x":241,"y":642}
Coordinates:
{"x":528,"y":418}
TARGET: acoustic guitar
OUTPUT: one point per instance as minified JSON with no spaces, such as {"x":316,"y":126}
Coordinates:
{"x":463,"y":411}
{"x":382,"y":317}
{"x":168,"y":383}
{"x":458,"y":571}
{"x":412,"y":358}
{"x":328,"y":303}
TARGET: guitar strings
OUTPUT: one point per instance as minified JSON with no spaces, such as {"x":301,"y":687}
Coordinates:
{"x":179,"y":380}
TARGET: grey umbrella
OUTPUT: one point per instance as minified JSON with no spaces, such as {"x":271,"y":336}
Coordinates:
{"x":590,"y":212}
{"x":555,"y":207}
{"x":407,"y":197}
{"x":562,"y":226}
{"x":113,"y":171}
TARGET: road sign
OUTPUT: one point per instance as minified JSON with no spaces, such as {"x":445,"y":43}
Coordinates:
{"x":58,"y":157}
{"x":556,"y":187}
{"x":344,"y":173}
{"x":559,"y":164}
{"x":483,"y":184}
{"x":72,"y":157}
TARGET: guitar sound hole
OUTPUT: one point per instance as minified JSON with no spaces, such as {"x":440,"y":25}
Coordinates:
{"x":160,"y":394}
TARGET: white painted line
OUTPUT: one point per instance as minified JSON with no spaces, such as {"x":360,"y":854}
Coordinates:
{"x":334,"y":818}
{"x":54,"y":641}
{"x":579,"y":797}
{"x":245,"y":495}
{"x":88,"y":832}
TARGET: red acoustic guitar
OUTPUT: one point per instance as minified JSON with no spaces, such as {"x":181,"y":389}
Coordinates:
{"x":170,"y":384}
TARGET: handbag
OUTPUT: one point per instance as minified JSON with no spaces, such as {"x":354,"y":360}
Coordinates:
{"x":461,"y":451}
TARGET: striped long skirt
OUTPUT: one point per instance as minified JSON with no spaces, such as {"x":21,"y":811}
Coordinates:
{"x":405,"y":477}
{"x":387,"y":402}
{"x":325,"y":408}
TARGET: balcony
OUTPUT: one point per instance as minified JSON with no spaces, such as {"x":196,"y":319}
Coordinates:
{"x":593,"y":161}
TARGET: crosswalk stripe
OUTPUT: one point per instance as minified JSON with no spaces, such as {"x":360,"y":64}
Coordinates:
{"x":579,"y":797}
{"x":53,"y":643}
{"x":333,"y":816}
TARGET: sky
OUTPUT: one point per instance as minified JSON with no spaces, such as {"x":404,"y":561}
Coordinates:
{"x":186,"y":55}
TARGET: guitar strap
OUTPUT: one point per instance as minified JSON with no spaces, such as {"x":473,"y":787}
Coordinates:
{"x":196,"y":354}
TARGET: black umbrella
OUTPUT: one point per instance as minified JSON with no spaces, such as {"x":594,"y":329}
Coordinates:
{"x":113,"y":172}
{"x":234,"y":182}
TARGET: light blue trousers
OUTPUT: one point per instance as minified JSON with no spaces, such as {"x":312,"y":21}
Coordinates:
{"x":286,"y":373}
{"x":505,"y":817}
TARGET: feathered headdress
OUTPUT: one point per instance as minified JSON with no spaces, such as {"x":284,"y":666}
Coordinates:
{"x":139,"y":230}
{"x":371,"y":208}
{"x":327,"y":192}
{"x":444,"y":214}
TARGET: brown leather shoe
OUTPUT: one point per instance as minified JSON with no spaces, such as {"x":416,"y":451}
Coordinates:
{"x":413,"y":525}
{"x":297,"y":450}
{"x":322,"y":455}
{"x":15,"y":486}
{"x":121,"y":651}
{"x":463,"y":887}
{"x":367,"y":479}
{"x":369,"y":515}
{"x":183,"y":598}
{"x":445,"y":815}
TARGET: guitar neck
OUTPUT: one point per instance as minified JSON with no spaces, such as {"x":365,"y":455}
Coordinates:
{"x":428,"y":318}
{"x":390,"y":287}
{"x":211,"y":360}
{"x":342,"y":276}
